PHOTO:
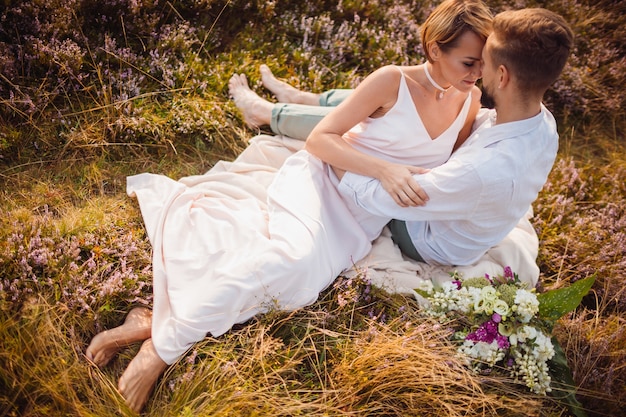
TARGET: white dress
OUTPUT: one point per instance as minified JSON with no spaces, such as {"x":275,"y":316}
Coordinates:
{"x":221,"y":257}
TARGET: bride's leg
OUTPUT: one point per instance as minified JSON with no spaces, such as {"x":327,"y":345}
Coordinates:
{"x":141,"y":376}
{"x":105,"y":345}
{"x":284,"y":92}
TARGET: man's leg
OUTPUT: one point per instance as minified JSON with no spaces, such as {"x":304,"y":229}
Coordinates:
{"x":297,"y":112}
{"x":401,"y":237}
{"x":332,"y":98}
{"x":287,"y":119}
{"x":286,"y":93}
{"x":298,"y":120}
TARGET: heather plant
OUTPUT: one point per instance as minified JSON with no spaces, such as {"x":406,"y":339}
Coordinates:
{"x":583,"y":208}
{"x":580,"y":222}
{"x":91,"y":91}
{"x":87,"y":271}
{"x":138,"y":78}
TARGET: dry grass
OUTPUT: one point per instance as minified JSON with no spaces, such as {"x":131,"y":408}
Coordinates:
{"x":312,"y":362}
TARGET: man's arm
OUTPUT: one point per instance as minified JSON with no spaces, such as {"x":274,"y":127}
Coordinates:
{"x":454,"y":189}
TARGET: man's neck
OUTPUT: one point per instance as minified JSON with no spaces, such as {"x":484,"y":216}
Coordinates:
{"x":513,"y":106}
{"x":517,"y":112}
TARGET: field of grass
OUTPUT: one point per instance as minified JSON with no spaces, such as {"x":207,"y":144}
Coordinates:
{"x":93,"y":91}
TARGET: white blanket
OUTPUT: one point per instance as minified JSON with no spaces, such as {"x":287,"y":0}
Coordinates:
{"x":385,"y":265}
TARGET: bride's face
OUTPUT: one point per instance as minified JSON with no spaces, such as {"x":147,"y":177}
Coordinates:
{"x":461,"y":66}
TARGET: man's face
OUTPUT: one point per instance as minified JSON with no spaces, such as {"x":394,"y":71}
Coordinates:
{"x":489,"y":76}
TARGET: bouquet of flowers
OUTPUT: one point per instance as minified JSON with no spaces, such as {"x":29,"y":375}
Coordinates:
{"x":501,"y":324}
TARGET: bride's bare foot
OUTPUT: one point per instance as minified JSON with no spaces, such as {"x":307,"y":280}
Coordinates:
{"x":105,"y":345}
{"x":256,"y":110}
{"x":284,"y":92}
{"x":141,"y":376}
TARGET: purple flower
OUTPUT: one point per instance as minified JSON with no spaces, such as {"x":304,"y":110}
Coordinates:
{"x":496,"y":318}
{"x":491,"y":327}
{"x":508,"y":273}
{"x":503,"y":342}
{"x":486,"y":332}
{"x":457,"y":283}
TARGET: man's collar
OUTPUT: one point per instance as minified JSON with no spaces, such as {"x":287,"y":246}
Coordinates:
{"x":488,"y":133}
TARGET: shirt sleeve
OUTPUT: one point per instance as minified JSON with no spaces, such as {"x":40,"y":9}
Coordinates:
{"x":454,"y":191}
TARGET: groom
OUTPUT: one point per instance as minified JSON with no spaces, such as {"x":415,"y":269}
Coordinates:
{"x":454,"y":213}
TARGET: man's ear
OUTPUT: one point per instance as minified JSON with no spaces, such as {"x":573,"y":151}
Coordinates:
{"x":504,"y":76}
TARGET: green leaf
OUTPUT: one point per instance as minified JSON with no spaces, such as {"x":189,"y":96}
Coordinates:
{"x":556,"y":303}
{"x":563,"y":385}
{"x":423,"y":293}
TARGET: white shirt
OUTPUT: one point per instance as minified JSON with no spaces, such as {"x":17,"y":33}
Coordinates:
{"x":476,"y":197}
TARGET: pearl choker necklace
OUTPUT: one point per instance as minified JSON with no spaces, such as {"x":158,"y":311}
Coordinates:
{"x":434,"y":84}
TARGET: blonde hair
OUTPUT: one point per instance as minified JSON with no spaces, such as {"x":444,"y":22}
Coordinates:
{"x":533,"y":44}
{"x":453,"y":18}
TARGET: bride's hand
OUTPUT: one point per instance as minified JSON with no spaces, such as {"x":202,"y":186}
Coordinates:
{"x":398,"y":181}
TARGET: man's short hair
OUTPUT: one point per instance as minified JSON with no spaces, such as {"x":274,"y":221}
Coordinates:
{"x":533,"y":44}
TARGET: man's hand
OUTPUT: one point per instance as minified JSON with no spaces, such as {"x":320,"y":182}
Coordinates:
{"x":398,"y":181}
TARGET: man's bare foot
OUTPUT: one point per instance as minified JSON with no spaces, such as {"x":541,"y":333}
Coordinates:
{"x":284,"y":92}
{"x":256,"y":110}
{"x":105,"y":345}
{"x":141,"y":376}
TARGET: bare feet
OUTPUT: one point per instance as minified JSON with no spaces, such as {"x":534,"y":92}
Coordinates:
{"x":284,"y":92}
{"x":256,"y":110}
{"x":105,"y":345}
{"x":141,"y":376}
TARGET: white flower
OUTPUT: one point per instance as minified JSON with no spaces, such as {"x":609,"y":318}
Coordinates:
{"x":425,"y":285}
{"x":464,"y":301}
{"x":526,"y":304}
{"x":502,"y":308}
{"x":486,"y":299}
{"x":474,"y":292}
{"x":488,"y":293}
{"x":484,"y":306}
{"x":449,"y":287}
{"x":489,"y":353}
{"x":534,"y":374}
{"x":543,"y":350}
{"x":526,"y":333}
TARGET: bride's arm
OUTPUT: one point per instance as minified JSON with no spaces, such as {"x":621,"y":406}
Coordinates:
{"x":373,"y":97}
